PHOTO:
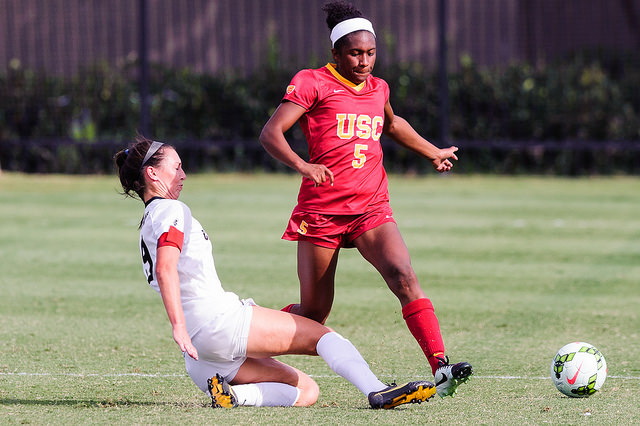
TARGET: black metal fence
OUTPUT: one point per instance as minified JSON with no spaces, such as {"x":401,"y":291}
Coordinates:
{"x":62,"y":36}
{"x":239,"y":36}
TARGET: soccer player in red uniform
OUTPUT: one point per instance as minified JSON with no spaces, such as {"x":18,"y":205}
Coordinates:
{"x":344,"y":200}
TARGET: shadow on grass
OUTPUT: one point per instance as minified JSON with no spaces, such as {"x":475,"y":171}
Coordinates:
{"x":90,"y":403}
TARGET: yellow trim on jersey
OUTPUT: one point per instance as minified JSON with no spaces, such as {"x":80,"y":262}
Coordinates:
{"x":332,"y":69}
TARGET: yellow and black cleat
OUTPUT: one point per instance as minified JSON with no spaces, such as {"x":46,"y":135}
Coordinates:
{"x":222,"y":395}
{"x":410,"y":393}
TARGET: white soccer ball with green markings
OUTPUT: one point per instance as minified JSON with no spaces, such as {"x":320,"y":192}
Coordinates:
{"x":578,"y":370}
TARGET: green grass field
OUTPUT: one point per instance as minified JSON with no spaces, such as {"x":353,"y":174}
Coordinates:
{"x":516,"y":267}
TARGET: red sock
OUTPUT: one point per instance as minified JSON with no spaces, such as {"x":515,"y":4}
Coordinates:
{"x":288,"y":308}
{"x":423,"y":324}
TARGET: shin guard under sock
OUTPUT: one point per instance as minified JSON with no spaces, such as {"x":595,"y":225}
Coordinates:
{"x":423,"y":324}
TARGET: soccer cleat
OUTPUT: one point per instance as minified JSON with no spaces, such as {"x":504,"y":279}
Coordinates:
{"x":222,"y":396}
{"x":392,"y":396}
{"x":448,"y":377}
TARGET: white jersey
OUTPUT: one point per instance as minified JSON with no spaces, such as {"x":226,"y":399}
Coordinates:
{"x":202,"y":295}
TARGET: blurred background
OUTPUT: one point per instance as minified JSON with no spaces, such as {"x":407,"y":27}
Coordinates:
{"x":521,"y":86}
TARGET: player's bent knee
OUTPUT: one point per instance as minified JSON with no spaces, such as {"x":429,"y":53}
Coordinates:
{"x":309,"y":393}
{"x":403,"y":282}
{"x":402,"y":277}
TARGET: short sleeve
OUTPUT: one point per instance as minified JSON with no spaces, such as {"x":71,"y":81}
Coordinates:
{"x":170,"y":214}
{"x":303,"y":89}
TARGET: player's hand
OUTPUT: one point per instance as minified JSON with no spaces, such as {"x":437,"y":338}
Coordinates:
{"x":183,"y":340}
{"x":442,"y":163}
{"x":318,"y":173}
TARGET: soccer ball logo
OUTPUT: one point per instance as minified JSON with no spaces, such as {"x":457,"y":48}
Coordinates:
{"x":578,"y":370}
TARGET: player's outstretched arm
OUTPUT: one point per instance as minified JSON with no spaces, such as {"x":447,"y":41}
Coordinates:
{"x":273,"y":140}
{"x":398,"y":129}
{"x":169,"y":283}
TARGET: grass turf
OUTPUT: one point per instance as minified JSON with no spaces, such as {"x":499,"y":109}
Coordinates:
{"x":515,"y":266}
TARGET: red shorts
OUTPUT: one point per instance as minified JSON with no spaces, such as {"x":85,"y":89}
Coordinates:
{"x":334,"y":231}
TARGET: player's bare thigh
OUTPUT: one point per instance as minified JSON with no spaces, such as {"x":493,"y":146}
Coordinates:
{"x":385,"y":249}
{"x":275,"y":333}
{"x":383,"y":246}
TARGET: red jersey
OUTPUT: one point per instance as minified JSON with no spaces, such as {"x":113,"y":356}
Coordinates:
{"x":342,"y":124}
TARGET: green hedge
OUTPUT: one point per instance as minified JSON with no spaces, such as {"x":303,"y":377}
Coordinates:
{"x":50,"y":124}
{"x":588,"y":96}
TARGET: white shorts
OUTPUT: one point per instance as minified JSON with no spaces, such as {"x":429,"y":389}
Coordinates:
{"x":221,"y":346}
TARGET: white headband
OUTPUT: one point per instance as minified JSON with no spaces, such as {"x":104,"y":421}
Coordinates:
{"x":349,"y":26}
{"x":153,"y":148}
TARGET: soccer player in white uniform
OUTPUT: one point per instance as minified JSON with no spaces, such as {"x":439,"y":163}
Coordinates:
{"x":228,"y":343}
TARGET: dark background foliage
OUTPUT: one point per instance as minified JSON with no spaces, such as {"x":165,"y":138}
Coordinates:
{"x":590,"y":98}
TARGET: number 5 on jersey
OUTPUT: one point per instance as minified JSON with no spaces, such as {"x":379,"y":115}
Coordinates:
{"x":360,"y":159}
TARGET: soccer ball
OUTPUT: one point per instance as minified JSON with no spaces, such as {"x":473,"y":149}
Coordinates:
{"x":578,"y":370}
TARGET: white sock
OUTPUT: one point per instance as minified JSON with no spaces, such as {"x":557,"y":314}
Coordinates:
{"x":266,"y":394}
{"x":344,"y":359}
